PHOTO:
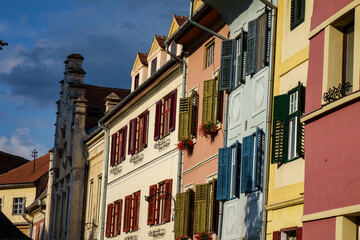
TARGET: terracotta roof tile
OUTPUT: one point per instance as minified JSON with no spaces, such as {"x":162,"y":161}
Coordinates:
{"x":26,"y":173}
{"x":143,"y":58}
{"x":9,"y":162}
{"x":180,"y":19}
{"x":161,"y":40}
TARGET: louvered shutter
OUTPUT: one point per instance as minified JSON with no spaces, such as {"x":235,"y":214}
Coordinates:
{"x":247,"y":164}
{"x":223,"y":182}
{"x":183,"y":213}
{"x":108,"y":220}
{"x":114,"y":219}
{"x":299,"y":233}
{"x":158,"y":120}
{"x":201,"y":203}
{"x":173,"y":96}
{"x":208,"y":101}
{"x":123,"y":146}
{"x":219,"y":96}
{"x":211,"y":216}
{"x":118,"y":225}
{"x":297,"y":13}
{"x":267,"y":36}
{"x":113,"y":149}
{"x":276,"y":235}
{"x":280,"y":129}
{"x":184,"y":118}
{"x":251,"y":52}
{"x":132,"y":136}
{"x":241,"y":60}
{"x":168,"y":199}
{"x":152,"y":204}
{"x":194,"y":104}
{"x":259,"y":158}
{"x":145,"y":131}
{"x":118,"y":146}
{"x":236,"y":180}
{"x":300,"y":147}
{"x":127,"y":213}
{"x":136,"y":211}
{"x":228,"y":54}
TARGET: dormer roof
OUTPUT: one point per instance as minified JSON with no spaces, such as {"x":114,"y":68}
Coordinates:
{"x":176,"y":23}
{"x":141,"y":59}
{"x":158,"y":42}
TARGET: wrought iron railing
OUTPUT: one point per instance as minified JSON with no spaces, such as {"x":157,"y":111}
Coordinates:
{"x":336,"y":93}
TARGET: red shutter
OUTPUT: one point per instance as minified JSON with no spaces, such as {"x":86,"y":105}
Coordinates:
{"x":113,"y":149}
{"x":276,"y":235}
{"x":108,"y":219}
{"x":118,"y":146}
{"x":132,"y":136}
{"x":158,"y":120}
{"x":173,"y":97}
{"x":168,"y":199}
{"x":136,"y":211}
{"x":152,"y":204}
{"x":114,"y":219}
{"x":146,"y":121}
{"x":299,"y":233}
{"x":123,"y":147}
{"x":127,"y":213}
{"x":118,"y":221}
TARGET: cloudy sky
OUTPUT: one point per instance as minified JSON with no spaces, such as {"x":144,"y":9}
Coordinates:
{"x":40,"y":33}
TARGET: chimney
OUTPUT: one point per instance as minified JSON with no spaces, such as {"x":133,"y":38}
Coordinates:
{"x":73,"y":69}
{"x":111,"y":101}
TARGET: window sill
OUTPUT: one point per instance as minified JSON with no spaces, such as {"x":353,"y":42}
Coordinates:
{"x":331,"y":107}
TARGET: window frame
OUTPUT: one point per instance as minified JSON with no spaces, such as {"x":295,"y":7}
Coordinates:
{"x":20,"y":210}
{"x":136,"y":81}
{"x":209,"y":53}
{"x":153,"y":66}
{"x":296,"y":20}
{"x":137,"y":142}
{"x":165,"y":117}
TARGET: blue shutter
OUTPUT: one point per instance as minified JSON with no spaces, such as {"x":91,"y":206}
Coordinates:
{"x":251,"y":51}
{"x":246,"y":164}
{"x":223,"y":181}
{"x":259,"y":158}
{"x":241,"y":60}
{"x":236,"y":186}
{"x":228,"y":54}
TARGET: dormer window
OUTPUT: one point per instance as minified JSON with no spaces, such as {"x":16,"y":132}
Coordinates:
{"x":173,"y":48}
{"x":153,"y":66}
{"x":136,"y":82}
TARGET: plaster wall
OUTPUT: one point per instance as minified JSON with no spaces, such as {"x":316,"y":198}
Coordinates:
{"x":322,"y":229}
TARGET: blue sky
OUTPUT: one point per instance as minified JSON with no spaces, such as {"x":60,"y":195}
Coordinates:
{"x":41,"y":34}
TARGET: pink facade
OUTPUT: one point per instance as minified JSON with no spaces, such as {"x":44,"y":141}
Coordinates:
{"x":323,"y":229}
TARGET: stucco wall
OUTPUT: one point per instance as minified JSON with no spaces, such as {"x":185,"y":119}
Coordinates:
{"x":322,"y":229}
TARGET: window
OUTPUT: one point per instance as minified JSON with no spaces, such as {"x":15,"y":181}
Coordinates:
{"x":118,"y":147}
{"x":165,"y":115}
{"x":348,"y":58}
{"x":136,"y":81}
{"x":138,"y":133}
{"x":212,"y":101}
{"x":131,"y":212}
{"x":173,"y":48}
{"x":90,"y":197}
{"x":113,"y":219}
{"x":184,"y":208}
{"x":96,"y":217}
{"x":209,"y":57}
{"x":288,"y":234}
{"x":160,"y":197}
{"x":153,"y":66}
{"x":258,"y":36}
{"x":18,"y":206}
{"x":188,"y":115}
{"x":297,"y":13}
{"x":288,"y":132}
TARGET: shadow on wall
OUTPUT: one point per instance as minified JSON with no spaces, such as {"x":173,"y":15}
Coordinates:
{"x":253,"y":216}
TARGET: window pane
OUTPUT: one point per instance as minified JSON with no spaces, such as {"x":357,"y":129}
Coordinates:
{"x":292,"y":137}
{"x":349,"y":61}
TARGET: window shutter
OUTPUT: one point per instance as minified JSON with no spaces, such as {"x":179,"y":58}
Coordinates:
{"x":201,"y":203}
{"x":260,"y":158}
{"x":251,"y":52}
{"x":300,"y":148}
{"x":114,"y":219}
{"x":280,"y":129}
{"x":236,"y":186}
{"x":127,"y":213}
{"x":183,"y":213}
{"x":132,"y":136}
{"x":184,"y":118}
{"x":118,"y":146}
{"x":297,"y":13}
{"x":223,"y":183}
{"x":108,"y":220}
{"x":145,"y":132}
{"x":168,"y":199}
{"x":241,"y":61}
{"x":219,"y":96}
{"x":276,"y":235}
{"x":194,"y":104}
{"x":267,"y":36}
{"x":158,"y":120}
{"x":173,"y":96}
{"x":298,"y":233}
{"x":152,"y":204}
{"x":123,"y":151}
{"x":118,"y":222}
{"x":211,"y":217}
{"x":113,"y":149}
{"x":228,"y":53}
{"x":136,"y":210}
{"x":246,"y":164}
{"x":208,"y":101}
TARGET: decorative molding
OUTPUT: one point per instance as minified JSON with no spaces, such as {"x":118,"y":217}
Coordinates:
{"x":332,"y":213}
{"x":136,"y":158}
{"x":133,"y":237}
{"x":157,"y":233}
{"x":199,"y":164}
{"x":289,"y":203}
{"x":162,"y":144}
{"x":116,"y":170}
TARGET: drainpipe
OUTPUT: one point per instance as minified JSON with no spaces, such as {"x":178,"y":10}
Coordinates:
{"x":24,"y":216}
{"x":85,"y":186}
{"x":105,"y":178}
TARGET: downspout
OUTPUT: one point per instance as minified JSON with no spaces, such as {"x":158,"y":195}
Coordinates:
{"x":28,"y":220}
{"x":105,"y":178}
{"x":85,"y":187}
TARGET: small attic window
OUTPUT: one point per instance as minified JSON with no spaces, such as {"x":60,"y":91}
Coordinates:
{"x":174,"y":48}
{"x":136,"y":82}
{"x":153,"y":66}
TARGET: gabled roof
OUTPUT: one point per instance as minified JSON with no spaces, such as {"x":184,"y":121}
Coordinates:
{"x":9,"y":162}
{"x":8,"y":231}
{"x":176,"y":23}
{"x":27,"y":173}
{"x":141,"y":59}
{"x":158,"y":42}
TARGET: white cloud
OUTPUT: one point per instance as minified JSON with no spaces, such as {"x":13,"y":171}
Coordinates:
{"x":21,"y":144}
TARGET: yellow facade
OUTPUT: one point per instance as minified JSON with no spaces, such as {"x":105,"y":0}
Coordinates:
{"x":286,"y":181}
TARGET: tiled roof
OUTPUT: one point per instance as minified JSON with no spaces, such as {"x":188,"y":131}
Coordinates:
{"x":143,"y":58}
{"x":9,"y":162}
{"x":161,"y":40}
{"x":180,"y":19}
{"x":26,"y":172}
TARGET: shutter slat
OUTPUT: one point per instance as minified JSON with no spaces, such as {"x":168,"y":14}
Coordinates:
{"x":135,"y":211}
{"x":132,"y":136}
{"x":118,"y":225}
{"x":173,"y":96}
{"x":145,"y":131}
{"x":260,"y":158}
{"x":241,"y":61}
{"x":246,"y":164}
{"x":251,"y":52}
{"x":108,"y":220}
{"x":200,"y":212}
{"x":151,"y":206}
{"x":184,"y":118}
{"x":127,"y":213}
{"x":123,"y":152}
{"x":113,"y":149}
{"x":223,"y":183}
{"x":228,"y":54}
{"x":158,"y":120}
{"x":168,"y":199}
{"x":208,"y":101}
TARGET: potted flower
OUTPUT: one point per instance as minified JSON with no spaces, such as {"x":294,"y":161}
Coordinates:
{"x":208,"y":129}
{"x":185,"y":144}
{"x":203,"y":236}
{"x":182,"y":238}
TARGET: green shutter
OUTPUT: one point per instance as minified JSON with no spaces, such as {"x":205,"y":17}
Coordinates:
{"x":201,"y":203}
{"x":300,"y":145}
{"x":194,"y":103}
{"x":228,"y":54}
{"x":184,"y":118}
{"x":183,"y":213}
{"x":211,"y":210}
{"x":280,"y":129}
{"x":208,"y":101}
